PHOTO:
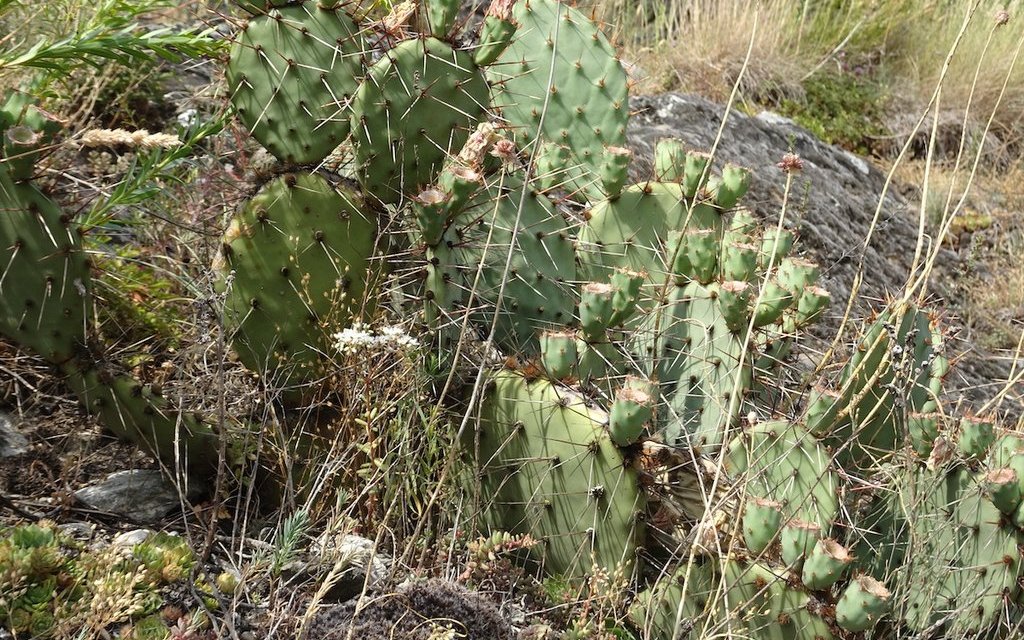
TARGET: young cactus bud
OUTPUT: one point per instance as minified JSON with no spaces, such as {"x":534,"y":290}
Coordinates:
{"x":614,"y":170}
{"x":669,"y":160}
{"x":694,"y":177}
{"x":595,"y":309}
{"x":774,"y":301}
{"x":976,"y":436}
{"x":430,"y":210}
{"x":702,"y":252}
{"x":461,"y":184}
{"x":631,"y":410}
{"x":762,"y":520}
{"x":796,"y":274}
{"x":551,"y":166}
{"x":863,"y":603}
{"x":922,"y":429}
{"x":440,"y":16}
{"x":21,"y":146}
{"x":825,"y":564}
{"x":822,"y":408}
{"x":558,"y":353}
{"x":1003,"y":487}
{"x":676,"y":256}
{"x":733,"y":186}
{"x":741,"y":226}
{"x":797,"y":539}
{"x":775,"y":246}
{"x":811,"y":305}
{"x":739,"y":262}
{"x":626,"y":286}
{"x":733,"y":302}
{"x":496,"y":32}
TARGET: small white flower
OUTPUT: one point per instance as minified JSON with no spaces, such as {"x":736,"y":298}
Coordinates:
{"x":359,"y":337}
{"x":353,"y":339}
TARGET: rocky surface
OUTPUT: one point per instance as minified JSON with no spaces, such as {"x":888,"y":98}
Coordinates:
{"x":832,"y":204}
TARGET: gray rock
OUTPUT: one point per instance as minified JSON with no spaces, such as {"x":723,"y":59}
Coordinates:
{"x":142,"y":495}
{"x":81,"y":531}
{"x":12,"y":442}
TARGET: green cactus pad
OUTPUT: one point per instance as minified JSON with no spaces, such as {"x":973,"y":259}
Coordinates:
{"x":698,"y":361}
{"x":762,"y":520}
{"x":560,"y":81}
{"x":630,"y":411}
{"x":892,"y":373}
{"x":945,"y":550}
{"x":669,"y":160}
{"x":547,"y":467}
{"x":291,"y":73}
{"x":781,"y":461}
{"x":538,"y":292}
{"x":44,"y":274}
{"x":825,"y":564}
{"x":862,"y":604}
{"x":558,"y":353}
{"x":301,"y":254}
{"x":977,"y":434}
{"x":797,"y":540}
{"x":631,"y":231}
{"x":417,"y":107}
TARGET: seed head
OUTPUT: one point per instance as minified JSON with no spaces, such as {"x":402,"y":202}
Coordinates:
{"x":791,"y":163}
{"x":1002,"y":17}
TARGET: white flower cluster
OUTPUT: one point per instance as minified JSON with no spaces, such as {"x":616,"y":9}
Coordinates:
{"x":360,"y":337}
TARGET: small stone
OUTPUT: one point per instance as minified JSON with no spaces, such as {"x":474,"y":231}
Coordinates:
{"x":142,"y":495}
{"x":12,"y":442}
{"x":81,"y":531}
{"x":131,"y":538}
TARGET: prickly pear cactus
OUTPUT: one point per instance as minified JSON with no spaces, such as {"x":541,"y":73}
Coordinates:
{"x":46,"y":307}
{"x":45,"y":280}
{"x":416,"y":108}
{"x":297,"y":260}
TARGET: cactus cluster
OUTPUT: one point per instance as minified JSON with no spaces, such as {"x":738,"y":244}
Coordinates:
{"x":639,"y":324}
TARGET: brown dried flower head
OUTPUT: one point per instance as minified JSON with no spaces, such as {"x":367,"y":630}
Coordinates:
{"x":505,"y":150}
{"x":791,"y":163}
{"x":1002,"y":17}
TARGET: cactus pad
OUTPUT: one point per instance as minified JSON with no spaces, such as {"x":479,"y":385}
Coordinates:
{"x":291,"y":75}
{"x":782,"y":462}
{"x":300,"y":251}
{"x":560,"y":81}
{"x":417,"y":107}
{"x":44,"y":273}
{"x":548,"y":468}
